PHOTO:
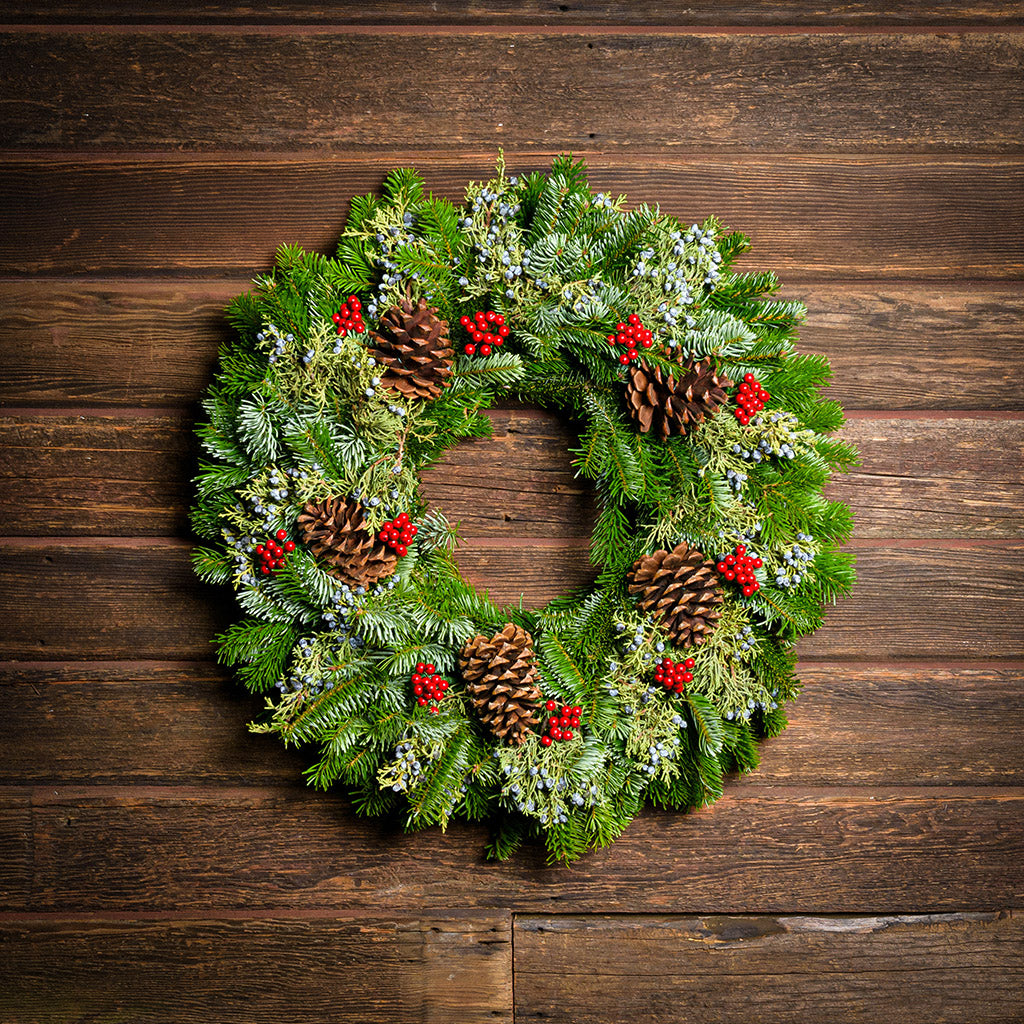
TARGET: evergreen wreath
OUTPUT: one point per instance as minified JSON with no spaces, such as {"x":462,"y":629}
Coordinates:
{"x":701,"y":430}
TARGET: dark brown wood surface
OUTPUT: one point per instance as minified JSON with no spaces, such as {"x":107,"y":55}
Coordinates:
{"x":298,"y":969}
{"x":960,"y":967}
{"x":160,"y":862}
{"x":410,"y":16}
{"x":225,"y":214}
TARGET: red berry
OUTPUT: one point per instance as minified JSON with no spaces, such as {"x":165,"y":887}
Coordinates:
{"x":402,"y":518}
{"x":577,"y":710}
{"x":469,"y":349}
{"x":281,"y":534}
{"x":485,"y":350}
{"x":503,"y":330}
{"x":545,"y":741}
{"x":624,"y":359}
{"x":289,"y":546}
{"x":549,"y":705}
{"x":567,"y":735}
{"x":464,"y":320}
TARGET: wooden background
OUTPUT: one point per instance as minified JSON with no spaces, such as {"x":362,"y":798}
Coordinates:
{"x":158,"y":863}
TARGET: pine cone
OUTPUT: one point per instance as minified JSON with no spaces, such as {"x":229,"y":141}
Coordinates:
{"x":674,"y":404}
{"x":413,"y":345}
{"x":501,"y":679}
{"x":681,"y":589}
{"x":333,"y":530}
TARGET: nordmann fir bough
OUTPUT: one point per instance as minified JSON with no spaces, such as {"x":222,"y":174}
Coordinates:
{"x":701,"y":430}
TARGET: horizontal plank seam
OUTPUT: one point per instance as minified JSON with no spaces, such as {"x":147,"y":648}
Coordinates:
{"x":979,"y":915}
{"x":43,"y":796}
{"x":540,"y":543}
{"x":469,"y":29}
{"x":129,"y":412}
{"x":268,"y":914}
{"x":143,"y":282}
{"x":965,"y":664}
{"x":627,"y":159}
{"x":186,"y":412}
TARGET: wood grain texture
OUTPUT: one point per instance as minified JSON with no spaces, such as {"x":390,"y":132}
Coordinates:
{"x":758,"y":849}
{"x":732,"y":970}
{"x":380,"y":969}
{"x":181,"y":90}
{"x":893,"y":345}
{"x":15,"y":847}
{"x":152,"y":723}
{"x":141,"y":723}
{"x":935,"y":478}
{"x":112,"y":475}
{"x":138,"y":599}
{"x":83,"y":475}
{"x":814,"y":216}
{"x":454,"y":14}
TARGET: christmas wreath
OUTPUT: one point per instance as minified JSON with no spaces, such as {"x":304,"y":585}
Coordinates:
{"x":700,"y":428}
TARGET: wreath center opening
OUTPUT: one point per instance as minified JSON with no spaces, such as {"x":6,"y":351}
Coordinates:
{"x":524,"y":516}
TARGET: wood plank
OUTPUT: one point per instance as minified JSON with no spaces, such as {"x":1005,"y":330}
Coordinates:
{"x":758,"y":849}
{"x":122,"y":723}
{"x":931,"y":217}
{"x":138,"y":599}
{"x":81,"y":475}
{"x":439,"y":970}
{"x":802,"y":92}
{"x":111,"y":475}
{"x":151,"y":723}
{"x":16,"y":868}
{"x":154,"y":342}
{"x":935,"y":478}
{"x":917,"y":346}
{"x":900,"y":725}
{"x":548,"y":13}
{"x":732,"y":970}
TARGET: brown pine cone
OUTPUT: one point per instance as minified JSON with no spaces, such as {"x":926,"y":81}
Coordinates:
{"x":411,"y":342}
{"x":333,"y":529}
{"x":681,"y":589}
{"x":501,"y":673}
{"x":677,"y":402}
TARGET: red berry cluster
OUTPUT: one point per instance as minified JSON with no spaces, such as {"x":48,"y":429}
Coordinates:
{"x":398,"y":534}
{"x":487,"y":329}
{"x":428,"y":686}
{"x":274,"y":550}
{"x":631,"y":334}
{"x":561,"y":723}
{"x":750,"y":398}
{"x":674,"y":675}
{"x":349,"y":319}
{"x":740,"y":567}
